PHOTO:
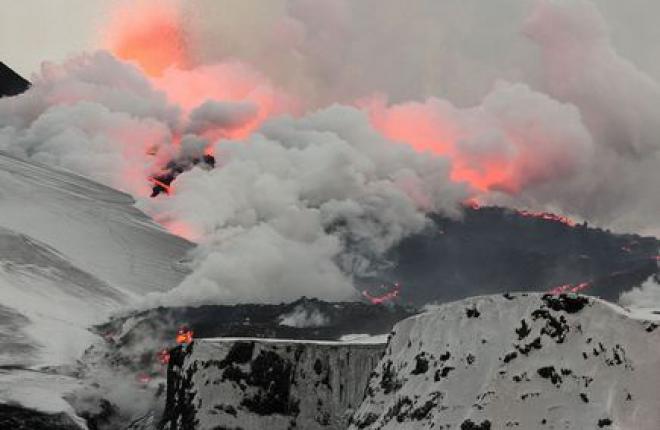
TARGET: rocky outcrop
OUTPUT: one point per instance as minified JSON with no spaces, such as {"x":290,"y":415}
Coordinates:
{"x":267,"y":384}
{"x":517,"y":361}
{"x":11,"y":83}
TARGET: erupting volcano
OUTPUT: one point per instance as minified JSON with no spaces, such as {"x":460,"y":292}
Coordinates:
{"x":201,"y":166}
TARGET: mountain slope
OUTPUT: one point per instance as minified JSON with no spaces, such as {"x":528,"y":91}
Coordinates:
{"x":94,"y":227}
{"x":11,"y":83}
{"x":72,"y":252}
{"x":492,"y":250}
{"x":517,"y":361}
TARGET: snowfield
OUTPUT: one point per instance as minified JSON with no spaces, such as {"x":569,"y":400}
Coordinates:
{"x":72,"y":252}
{"x":517,"y":361}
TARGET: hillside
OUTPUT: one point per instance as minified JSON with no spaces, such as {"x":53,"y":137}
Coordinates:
{"x":493,"y":250}
{"x":517,"y":361}
{"x":72,"y":252}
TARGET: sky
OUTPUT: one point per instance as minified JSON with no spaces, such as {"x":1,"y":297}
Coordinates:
{"x":32,"y":31}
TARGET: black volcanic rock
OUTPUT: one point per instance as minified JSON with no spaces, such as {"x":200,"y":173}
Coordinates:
{"x":11,"y":83}
{"x":494,"y":250}
{"x":17,"y":417}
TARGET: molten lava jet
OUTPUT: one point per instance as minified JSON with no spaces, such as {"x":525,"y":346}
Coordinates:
{"x":184,"y":337}
{"x":162,"y":183}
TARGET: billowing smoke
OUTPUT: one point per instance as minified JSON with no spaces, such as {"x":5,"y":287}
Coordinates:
{"x":303,"y":205}
{"x":645,"y":296}
{"x":301,"y":142}
{"x":619,"y":104}
{"x":302,"y":317}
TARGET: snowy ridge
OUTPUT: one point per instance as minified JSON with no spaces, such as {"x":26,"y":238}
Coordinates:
{"x":517,"y":361}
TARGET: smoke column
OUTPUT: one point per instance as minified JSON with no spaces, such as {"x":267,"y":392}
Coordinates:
{"x":337,"y":126}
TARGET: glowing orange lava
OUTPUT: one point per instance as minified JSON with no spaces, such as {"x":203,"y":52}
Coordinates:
{"x":547,"y":216}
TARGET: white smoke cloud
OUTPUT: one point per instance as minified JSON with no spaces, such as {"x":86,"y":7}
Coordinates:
{"x":619,"y":104}
{"x":227,"y":116}
{"x":301,"y":317}
{"x":645,"y":296}
{"x":93,"y":115}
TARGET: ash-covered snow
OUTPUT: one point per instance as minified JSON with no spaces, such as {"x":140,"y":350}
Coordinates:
{"x":517,"y":361}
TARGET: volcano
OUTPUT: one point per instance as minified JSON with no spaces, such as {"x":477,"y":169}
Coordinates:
{"x":11,"y":83}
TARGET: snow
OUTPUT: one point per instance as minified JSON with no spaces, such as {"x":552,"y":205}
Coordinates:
{"x":40,"y":391}
{"x":348,"y":339}
{"x":72,"y":252}
{"x":475,"y":362}
{"x":364,"y":338}
{"x":92,"y":226}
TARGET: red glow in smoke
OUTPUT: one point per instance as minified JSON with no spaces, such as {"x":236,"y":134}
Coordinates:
{"x":426,"y":130}
{"x":389,"y":296}
{"x":149,"y":34}
{"x":472,"y":203}
{"x":152,"y":35}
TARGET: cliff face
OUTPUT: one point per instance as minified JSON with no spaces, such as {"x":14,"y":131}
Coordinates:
{"x":517,"y":361}
{"x":267,"y":384}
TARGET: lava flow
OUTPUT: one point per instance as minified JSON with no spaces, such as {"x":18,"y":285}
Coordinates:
{"x":569,"y":288}
{"x":547,"y":216}
{"x":384,"y":298}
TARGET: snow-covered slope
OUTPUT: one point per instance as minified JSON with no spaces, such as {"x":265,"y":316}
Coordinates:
{"x":94,"y":227}
{"x":268,"y":384}
{"x":517,"y":361}
{"x":71,"y":252}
